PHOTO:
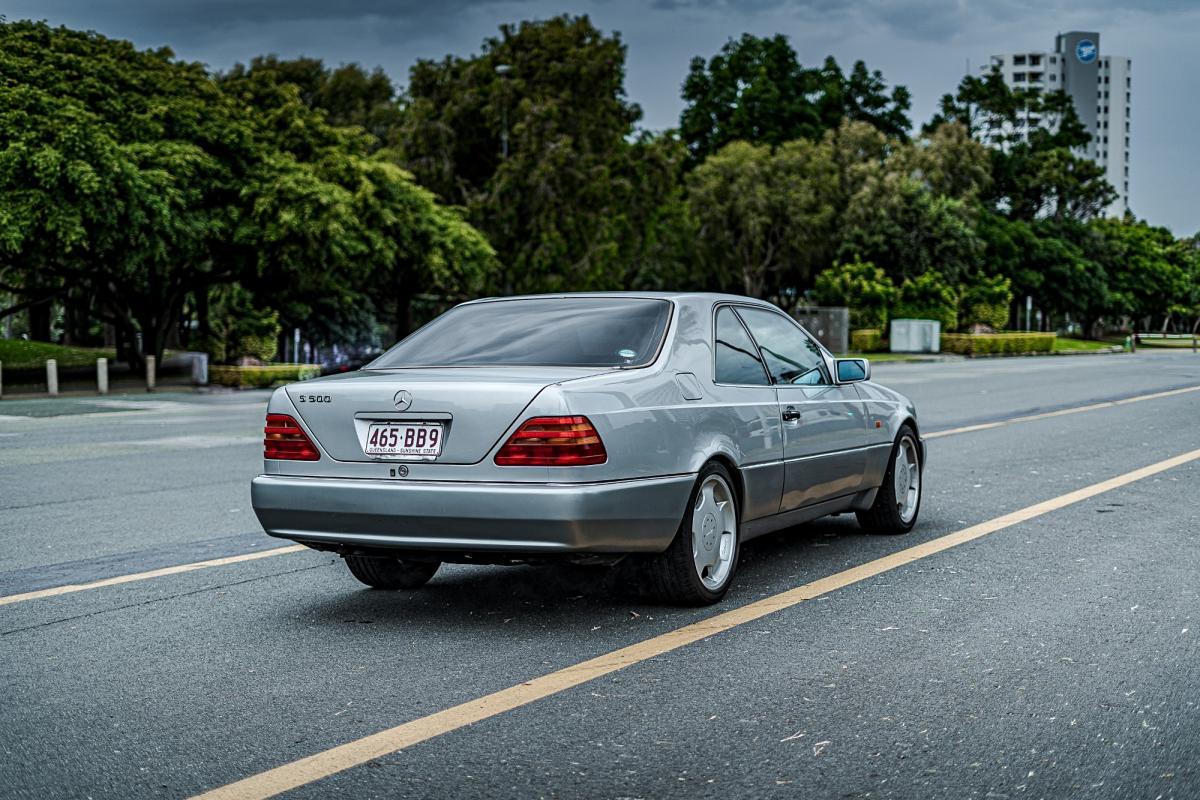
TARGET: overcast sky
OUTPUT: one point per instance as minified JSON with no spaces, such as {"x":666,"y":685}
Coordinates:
{"x":924,"y":44}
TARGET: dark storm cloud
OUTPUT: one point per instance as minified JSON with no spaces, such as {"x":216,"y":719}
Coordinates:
{"x":179,"y":13}
{"x":921,"y":19}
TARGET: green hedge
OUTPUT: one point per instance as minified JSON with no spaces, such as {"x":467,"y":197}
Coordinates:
{"x":261,"y":377}
{"x":866,"y":340}
{"x":992,"y":344}
{"x":23,"y":354}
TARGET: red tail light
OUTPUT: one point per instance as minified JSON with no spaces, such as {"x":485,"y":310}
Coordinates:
{"x":553,"y":442}
{"x":283,"y":439}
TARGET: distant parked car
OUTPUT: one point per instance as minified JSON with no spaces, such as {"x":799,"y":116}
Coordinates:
{"x":587,"y":427}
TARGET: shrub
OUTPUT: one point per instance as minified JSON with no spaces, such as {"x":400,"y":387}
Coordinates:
{"x":989,"y":344}
{"x":862,"y":287}
{"x":866,"y":340}
{"x":261,"y":377}
{"x":239,"y":328}
{"x":928,"y":296}
{"x":985,"y":301}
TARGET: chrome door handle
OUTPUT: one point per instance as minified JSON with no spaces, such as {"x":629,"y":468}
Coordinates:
{"x":790,"y":414}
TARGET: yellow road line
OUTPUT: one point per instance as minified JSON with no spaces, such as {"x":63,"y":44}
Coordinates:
{"x":329,"y":762}
{"x":1062,"y":412}
{"x":154,"y":573}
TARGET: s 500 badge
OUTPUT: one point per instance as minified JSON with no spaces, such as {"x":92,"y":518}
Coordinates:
{"x":315,"y":398}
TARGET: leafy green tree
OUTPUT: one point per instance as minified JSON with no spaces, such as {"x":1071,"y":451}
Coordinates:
{"x":1038,"y":174}
{"x":948,"y":162}
{"x":143,"y":181}
{"x":116,"y":174}
{"x":862,"y":287}
{"x":756,"y":90}
{"x":901,"y":226}
{"x":349,"y":95}
{"x":1148,"y":275}
{"x":329,"y":196}
{"x":862,"y":96}
{"x":764,"y":217}
{"x":579,"y":201}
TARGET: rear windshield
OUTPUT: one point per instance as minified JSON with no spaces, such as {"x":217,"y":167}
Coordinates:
{"x":558,"y":332}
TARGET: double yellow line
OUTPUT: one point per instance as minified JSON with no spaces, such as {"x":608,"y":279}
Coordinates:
{"x":330,"y":762}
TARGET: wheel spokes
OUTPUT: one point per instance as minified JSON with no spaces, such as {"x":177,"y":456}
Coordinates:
{"x":713,"y":532}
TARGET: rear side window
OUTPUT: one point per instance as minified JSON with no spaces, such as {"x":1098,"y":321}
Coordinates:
{"x":551,"y":331}
{"x":791,"y":356}
{"x":737,"y":359}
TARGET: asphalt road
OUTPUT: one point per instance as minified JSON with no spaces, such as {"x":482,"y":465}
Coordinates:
{"x":1056,"y":657}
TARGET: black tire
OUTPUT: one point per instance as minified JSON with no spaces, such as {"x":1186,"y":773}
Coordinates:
{"x":382,"y":572}
{"x":672,"y":575}
{"x":884,"y":515}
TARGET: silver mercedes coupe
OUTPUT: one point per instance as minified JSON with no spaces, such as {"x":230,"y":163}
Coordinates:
{"x":663,"y":427}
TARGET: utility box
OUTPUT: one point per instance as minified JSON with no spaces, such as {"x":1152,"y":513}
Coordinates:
{"x":915,"y":336}
{"x":200,"y":369}
{"x":829,"y":324}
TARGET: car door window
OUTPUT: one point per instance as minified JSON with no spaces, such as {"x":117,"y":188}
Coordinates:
{"x":791,"y":356}
{"x":737,"y":359}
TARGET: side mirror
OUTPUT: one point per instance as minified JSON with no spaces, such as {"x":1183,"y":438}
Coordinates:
{"x":853,"y":370}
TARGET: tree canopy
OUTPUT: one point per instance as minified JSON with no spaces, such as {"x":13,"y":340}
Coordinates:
{"x":756,"y":90}
{"x":176,"y":207}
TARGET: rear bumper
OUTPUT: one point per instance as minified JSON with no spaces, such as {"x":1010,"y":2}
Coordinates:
{"x":611,"y":517}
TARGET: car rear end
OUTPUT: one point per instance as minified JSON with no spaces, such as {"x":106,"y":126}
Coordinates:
{"x":459,"y":444}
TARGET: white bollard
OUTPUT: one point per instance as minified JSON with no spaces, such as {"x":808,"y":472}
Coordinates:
{"x":102,"y":375}
{"x":200,"y":369}
{"x":52,"y":376}
{"x":150,"y":373}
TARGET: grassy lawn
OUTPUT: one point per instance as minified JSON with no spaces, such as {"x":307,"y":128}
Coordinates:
{"x":1063,"y":344}
{"x":20,"y":354}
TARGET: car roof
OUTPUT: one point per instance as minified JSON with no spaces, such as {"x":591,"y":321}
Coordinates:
{"x":712,"y":297}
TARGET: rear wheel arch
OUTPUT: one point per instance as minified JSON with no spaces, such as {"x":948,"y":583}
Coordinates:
{"x":739,"y":481}
{"x":911,"y":422}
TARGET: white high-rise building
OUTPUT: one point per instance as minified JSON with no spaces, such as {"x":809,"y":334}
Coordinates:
{"x":1101,"y":88}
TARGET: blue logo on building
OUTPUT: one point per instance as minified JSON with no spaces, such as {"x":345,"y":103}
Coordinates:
{"x":1085,"y":51}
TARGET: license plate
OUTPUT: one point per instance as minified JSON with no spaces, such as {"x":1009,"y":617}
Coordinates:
{"x":404,"y":440}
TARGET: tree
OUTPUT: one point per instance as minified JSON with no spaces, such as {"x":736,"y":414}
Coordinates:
{"x":1036,"y":174}
{"x":117,"y":174}
{"x":144,"y":182}
{"x":947,"y":161}
{"x":349,"y":95}
{"x":560,"y":207}
{"x":330,"y":195}
{"x":1148,"y":272}
{"x":756,"y":90}
{"x":901,"y":226}
{"x":764,"y":217}
{"x":862,"y":96}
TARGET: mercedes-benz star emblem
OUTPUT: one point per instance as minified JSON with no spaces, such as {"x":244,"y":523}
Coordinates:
{"x":403,"y":400}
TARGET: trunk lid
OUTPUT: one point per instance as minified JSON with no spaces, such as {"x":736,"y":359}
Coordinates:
{"x":476,"y":406}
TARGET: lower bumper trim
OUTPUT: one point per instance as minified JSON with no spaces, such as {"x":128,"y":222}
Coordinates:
{"x":612,"y":517}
